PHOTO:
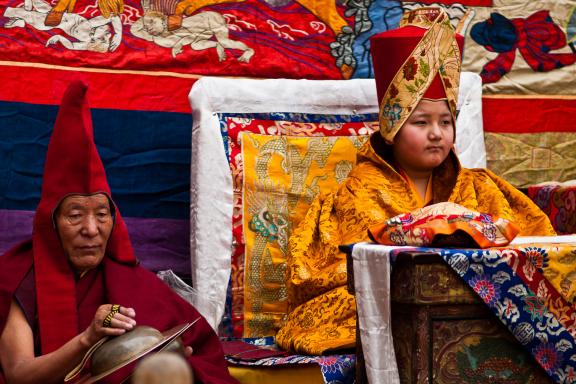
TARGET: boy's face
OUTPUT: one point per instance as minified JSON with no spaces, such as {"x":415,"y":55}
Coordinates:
{"x":426,"y":138}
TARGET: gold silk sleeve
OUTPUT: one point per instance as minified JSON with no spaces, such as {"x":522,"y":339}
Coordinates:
{"x":315,"y":264}
{"x":322,"y":312}
{"x":484,"y":191}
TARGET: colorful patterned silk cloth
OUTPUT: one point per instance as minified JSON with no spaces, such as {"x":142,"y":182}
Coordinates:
{"x":558,"y":201}
{"x":528,"y":285}
{"x":530,"y":288}
{"x":444,"y":222}
{"x":334,"y":368}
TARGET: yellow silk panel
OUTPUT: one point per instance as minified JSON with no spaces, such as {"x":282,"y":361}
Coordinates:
{"x":282,"y":176}
{"x":532,"y":158}
{"x":558,"y":268}
{"x":302,"y":373}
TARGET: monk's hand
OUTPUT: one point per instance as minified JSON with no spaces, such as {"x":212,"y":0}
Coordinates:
{"x":109,"y":320}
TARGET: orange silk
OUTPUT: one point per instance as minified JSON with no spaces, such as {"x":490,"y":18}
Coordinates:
{"x":322,"y":313}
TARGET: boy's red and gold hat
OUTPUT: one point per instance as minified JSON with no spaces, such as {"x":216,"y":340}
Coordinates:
{"x":420,"y":59}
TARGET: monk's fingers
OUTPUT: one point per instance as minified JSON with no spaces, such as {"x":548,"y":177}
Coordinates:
{"x":120,"y":322}
{"x":103,"y":310}
{"x":129,"y":312}
{"x":118,"y":317}
{"x":107,"y":331}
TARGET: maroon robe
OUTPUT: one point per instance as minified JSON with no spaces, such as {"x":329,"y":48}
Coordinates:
{"x":63,"y":306}
{"x":155,"y":304}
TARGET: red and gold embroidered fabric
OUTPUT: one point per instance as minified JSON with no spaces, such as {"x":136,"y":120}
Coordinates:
{"x":432,"y":54}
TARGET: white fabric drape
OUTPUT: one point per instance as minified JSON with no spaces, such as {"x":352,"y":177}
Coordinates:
{"x":469,"y":144}
{"x":372,"y":286}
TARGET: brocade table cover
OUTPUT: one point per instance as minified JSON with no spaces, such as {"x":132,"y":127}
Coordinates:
{"x":528,"y":285}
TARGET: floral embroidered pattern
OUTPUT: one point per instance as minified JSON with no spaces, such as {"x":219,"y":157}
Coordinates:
{"x":392,"y":113}
{"x":536,"y":260}
{"x":536,"y":257}
{"x":486,"y":289}
{"x":333,"y":364}
{"x":410,"y":69}
{"x":532,"y":308}
{"x":489,"y":231}
{"x":548,"y":356}
{"x":535,"y":307}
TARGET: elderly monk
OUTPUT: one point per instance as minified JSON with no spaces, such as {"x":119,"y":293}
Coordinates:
{"x":410,"y":163}
{"x":77,"y":280}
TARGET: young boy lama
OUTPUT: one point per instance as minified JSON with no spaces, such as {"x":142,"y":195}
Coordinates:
{"x":408,"y":164}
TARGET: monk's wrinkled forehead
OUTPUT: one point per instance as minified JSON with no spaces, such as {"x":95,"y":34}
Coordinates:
{"x":95,"y":201}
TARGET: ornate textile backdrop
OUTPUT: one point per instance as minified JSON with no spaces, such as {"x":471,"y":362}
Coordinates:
{"x":276,"y":176}
{"x":140,"y":65}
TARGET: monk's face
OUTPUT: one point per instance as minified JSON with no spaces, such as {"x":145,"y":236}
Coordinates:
{"x":425,"y":139}
{"x":84,"y":225}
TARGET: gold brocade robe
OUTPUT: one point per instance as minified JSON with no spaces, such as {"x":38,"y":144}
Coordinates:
{"x":322,"y":313}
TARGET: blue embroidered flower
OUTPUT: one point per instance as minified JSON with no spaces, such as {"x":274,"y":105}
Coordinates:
{"x":488,"y":290}
{"x":549,"y":358}
{"x":337,"y":368}
{"x":331,"y":364}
